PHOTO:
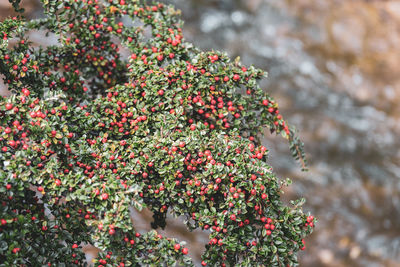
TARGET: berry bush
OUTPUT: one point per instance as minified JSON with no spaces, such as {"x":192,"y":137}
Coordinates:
{"x":123,"y":113}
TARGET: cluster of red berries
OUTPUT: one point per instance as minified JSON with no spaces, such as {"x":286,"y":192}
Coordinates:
{"x":169,"y":130}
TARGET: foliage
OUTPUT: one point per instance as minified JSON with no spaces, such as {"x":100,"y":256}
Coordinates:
{"x":90,"y":132}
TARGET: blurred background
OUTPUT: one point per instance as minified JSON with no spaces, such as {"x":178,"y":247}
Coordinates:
{"x":334,"y":67}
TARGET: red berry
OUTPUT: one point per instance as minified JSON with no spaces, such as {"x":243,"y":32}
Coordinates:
{"x":185,"y":251}
{"x":26,"y":92}
{"x":265,"y":102}
{"x":177,"y":246}
{"x":236,"y":77}
{"x":104,"y":196}
{"x":9,"y":106}
{"x":233,"y":217}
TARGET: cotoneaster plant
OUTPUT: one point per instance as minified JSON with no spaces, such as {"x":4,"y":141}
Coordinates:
{"x":89,"y":133}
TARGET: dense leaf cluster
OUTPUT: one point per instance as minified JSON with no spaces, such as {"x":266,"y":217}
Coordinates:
{"x":123,"y":113}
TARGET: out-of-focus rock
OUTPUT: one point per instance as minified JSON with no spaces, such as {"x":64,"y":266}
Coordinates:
{"x":6,"y":9}
{"x":252,"y":5}
{"x":355,"y":252}
{"x":4,"y":4}
{"x":91,"y":253}
{"x":326,"y":256}
{"x":348,"y":34}
{"x":3,"y":87}
{"x":362,"y":36}
{"x":393,"y":7}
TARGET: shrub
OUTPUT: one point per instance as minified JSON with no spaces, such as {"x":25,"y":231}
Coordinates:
{"x":89,"y":133}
